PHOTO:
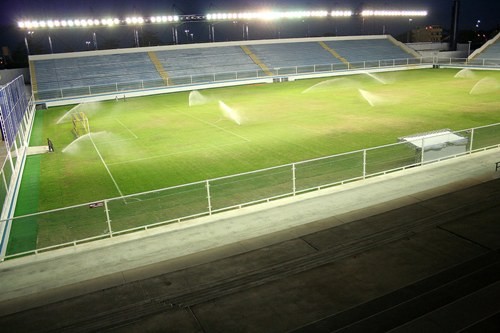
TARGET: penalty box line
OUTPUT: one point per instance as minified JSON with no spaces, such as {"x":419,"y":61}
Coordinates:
{"x":213,"y":125}
{"x":105,"y":165}
{"x":174,"y":153}
{"x":128,"y":129}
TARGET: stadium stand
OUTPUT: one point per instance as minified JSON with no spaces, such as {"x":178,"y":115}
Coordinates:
{"x":76,"y":74}
{"x":94,"y":70}
{"x":367,"y":50}
{"x":197,"y":61}
{"x":292,"y":54}
{"x":490,"y":52}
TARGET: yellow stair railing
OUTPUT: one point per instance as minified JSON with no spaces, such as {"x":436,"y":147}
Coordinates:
{"x":333,"y":52}
{"x":256,"y":60}
{"x":159,"y":67}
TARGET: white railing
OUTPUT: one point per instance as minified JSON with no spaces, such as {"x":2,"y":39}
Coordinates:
{"x":106,"y":218}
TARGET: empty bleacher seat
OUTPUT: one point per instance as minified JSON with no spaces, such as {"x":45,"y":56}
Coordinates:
{"x":360,"y":50}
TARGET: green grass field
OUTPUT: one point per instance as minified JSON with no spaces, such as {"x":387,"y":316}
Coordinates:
{"x":154,"y":142}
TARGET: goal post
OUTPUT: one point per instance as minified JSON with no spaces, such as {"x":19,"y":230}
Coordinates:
{"x":80,"y":124}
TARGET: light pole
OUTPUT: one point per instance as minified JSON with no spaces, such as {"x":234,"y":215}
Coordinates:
{"x":468,"y":52}
{"x":50,"y":45}
{"x":211,"y":33}
{"x":408,"y":39}
{"x":30,"y":33}
{"x":175,"y":36}
{"x":136,"y":37}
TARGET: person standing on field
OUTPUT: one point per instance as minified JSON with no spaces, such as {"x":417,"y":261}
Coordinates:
{"x":51,"y":146}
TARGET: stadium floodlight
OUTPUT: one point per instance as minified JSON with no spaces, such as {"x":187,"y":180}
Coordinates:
{"x":134,"y":20}
{"x":400,"y":13}
{"x":341,"y":13}
{"x":265,"y":15}
{"x":162,"y":19}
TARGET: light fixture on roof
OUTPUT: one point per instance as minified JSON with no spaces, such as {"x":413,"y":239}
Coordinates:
{"x":341,"y":13}
{"x":265,"y":15}
{"x":399,"y":13}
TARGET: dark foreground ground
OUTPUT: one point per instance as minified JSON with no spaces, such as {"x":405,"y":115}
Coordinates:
{"x":430,"y":266}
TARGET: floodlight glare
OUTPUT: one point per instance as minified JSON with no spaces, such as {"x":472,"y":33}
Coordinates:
{"x":265,"y":15}
{"x":400,"y":13}
{"x":134,"y":20}
{"x":341,"y":13}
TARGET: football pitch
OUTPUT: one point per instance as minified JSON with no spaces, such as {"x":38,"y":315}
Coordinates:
{"x":147,"y":143}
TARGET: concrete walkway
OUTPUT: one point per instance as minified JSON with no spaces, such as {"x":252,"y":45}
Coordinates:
{"x":232,"y":232}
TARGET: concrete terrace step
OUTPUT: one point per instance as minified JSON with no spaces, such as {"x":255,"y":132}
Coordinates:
{"x":403,"y":306}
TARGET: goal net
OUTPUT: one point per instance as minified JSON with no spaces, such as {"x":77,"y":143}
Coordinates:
{"x":80,"y":124}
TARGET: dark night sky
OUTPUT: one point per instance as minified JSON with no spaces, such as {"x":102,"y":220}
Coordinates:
{"x":488,"y":11}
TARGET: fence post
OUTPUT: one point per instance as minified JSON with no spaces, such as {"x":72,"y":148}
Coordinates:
{"x":191,"y":79}
{"x":471,"y":141}
{"x":422,"y":152}
{"x":209,"y":199}
{"x":214,"y":77}
{"x":364,"y":163}
{"x":90,"y":92}
{"x":294,"y":185}
{"x":4,"y":182}
{"x":107,"y":218}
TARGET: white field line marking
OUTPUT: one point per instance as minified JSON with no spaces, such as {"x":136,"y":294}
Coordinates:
{"x":213,"y":125}
{"x":170,"y":154}
{"x":128,"y":129}
{"x":115,"y":141}
{"x":105,"y":165}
